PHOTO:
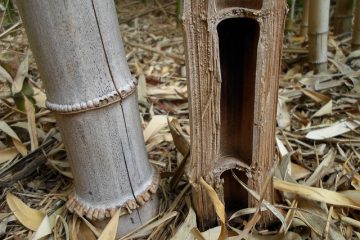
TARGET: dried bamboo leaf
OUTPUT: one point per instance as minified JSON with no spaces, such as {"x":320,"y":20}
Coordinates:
{"x":184,"y":231}
{"x":30,"y":113}
{"x":341,"y":199}
{"x":324,"y":110}
{"x":28,"y":217}
{"x":43,"y":230}
{"x":219,"y":207}
{"x":7,"y":154}
{"x":334,"y":130}
{"x":21,"y":74}
{"x":110,"y":230}
{"x":323,"y":168}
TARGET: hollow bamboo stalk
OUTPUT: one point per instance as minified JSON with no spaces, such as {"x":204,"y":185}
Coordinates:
{"x":343,"y":16}
{"x":355,"y":42}
{"x":318,"y":34}
{"x":305,"y":19}
{"x":80,"y":56}
{"x":233,"y":64}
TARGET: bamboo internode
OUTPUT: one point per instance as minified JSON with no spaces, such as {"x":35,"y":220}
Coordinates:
{"x":343,"y":16}
{"x":318,"y":33}
{"x":356,"y":28}
{"x":78,"y":49}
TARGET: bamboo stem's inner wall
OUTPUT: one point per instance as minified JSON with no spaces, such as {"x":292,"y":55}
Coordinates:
{"x":238,"y":43}
{"x":253,"y":4}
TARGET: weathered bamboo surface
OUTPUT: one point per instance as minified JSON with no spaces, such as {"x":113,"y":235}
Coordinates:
{"x":80,"y":56}
{"x":233,"y":54}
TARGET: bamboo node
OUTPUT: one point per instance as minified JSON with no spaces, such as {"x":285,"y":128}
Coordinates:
{"x":96,"y":103}
{"x":75,"y":205}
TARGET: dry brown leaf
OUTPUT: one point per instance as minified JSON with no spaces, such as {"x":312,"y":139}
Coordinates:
{"x":7,"y":154}
{"x":323,"y":168}
{"x":219,"y":207}
{"x":30,"y":113}
{"x":342,"y":199}
{"x":317,"y":97}
{"x":298,"y":172}
{"x":16,"y":140}
{"x":21,"y":74}
{"x":184,"y":231}
{"x":110,"y":230}
{"x":30,"y":218}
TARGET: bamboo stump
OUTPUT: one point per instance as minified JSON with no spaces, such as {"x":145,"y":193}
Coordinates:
{"x":234,"y":57}
{"x":78,"y":49}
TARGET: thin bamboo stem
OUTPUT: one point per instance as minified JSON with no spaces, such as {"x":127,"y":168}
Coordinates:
{"x":318,"y":34}
{"x":305,"y":19}
{"x":356,"y":27}
{"x":343,"y":16}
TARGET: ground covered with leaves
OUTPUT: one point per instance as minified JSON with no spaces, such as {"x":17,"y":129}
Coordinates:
{"x":317,"y":178}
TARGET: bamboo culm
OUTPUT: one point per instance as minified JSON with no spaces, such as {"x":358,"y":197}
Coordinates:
{"x":343,"y":16}
{"x":234,"y":53}
{"x":355,"y":42}
{"x":318,"y":34}
{"x":78,"y":49}
{"x":305,"y":19}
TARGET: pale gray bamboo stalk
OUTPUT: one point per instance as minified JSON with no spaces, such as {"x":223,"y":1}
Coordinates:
{"x":318,"y":34}
{"x":78,"y":49}
{"x":343,"y":16}
{"x":305,"y":19}
{"x":356,"y":28}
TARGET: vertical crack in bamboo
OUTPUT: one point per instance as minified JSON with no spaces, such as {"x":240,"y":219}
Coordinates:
{"x":78,"y":48}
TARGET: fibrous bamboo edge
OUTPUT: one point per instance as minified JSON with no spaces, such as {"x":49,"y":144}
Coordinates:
{"x":99,"y":102}
{"x":75,"y":205}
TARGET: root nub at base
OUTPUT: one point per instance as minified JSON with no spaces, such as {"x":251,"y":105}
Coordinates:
{"x":81,"y":208}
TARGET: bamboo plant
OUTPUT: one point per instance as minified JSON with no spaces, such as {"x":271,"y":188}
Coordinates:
{"x":233,"y":69}
{"x":318,"y":34}
{"x":355,"y":42}
{"x":305,"y":19}
{"x":80,"y":56}
{"x":343,"y":16}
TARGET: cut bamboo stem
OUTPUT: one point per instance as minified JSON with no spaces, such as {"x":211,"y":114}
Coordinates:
{"x":78,"y":49}
{"x":355,"y":42}
{"x":305,"y":19}
{"x":343,"y":16}
{"x":234,"y":55}
{"x":318,"y":34}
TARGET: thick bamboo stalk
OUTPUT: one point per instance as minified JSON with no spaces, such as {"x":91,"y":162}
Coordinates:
{"x":78,"y":49}
{"x":234,"y":53}
{"x":343,"y":16}
{"x":305,"y":19}
{"x":355,"y":42}
{"x":318,"y":34}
